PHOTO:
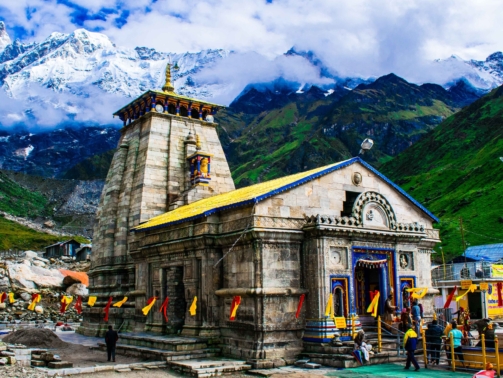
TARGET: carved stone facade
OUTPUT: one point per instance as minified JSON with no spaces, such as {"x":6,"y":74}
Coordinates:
{"x":346,"y":231}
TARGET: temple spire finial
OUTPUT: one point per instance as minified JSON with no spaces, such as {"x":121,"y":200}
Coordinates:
{"x":168,"y":87}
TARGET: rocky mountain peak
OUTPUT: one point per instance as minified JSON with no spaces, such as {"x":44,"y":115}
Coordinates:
{"x":4,"y":37}
{"x":495,"y":57}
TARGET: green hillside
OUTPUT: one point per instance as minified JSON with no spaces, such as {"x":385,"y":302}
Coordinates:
{"x":310,"y":130}
{"x":18,"y":237}
{"x":456,"y":172}
{"x":18,"y":201}
{"x":93,"y":168}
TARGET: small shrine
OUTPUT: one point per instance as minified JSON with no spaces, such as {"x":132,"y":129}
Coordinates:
{"x":200,"y":165}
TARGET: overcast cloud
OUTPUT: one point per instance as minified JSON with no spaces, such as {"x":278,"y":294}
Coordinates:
{"x":353,"y":37}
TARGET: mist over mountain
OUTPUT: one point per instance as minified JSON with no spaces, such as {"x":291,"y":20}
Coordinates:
{"x":55,"y":81}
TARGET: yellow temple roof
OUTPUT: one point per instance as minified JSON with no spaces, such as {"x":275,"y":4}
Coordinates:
{"x":258,"y":192}
{"x":239,"y":197}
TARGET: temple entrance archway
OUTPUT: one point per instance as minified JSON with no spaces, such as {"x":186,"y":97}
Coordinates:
{"x":374,"y":271}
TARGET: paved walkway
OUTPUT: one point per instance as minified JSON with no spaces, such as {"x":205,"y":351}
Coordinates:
{"x":76,"y":338}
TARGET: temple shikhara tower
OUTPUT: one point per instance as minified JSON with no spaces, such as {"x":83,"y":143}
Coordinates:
{"x":172,"y":225}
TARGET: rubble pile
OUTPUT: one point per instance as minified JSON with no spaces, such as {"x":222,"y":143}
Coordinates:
{"x":51,"y":278}
{"x":14,"y":350}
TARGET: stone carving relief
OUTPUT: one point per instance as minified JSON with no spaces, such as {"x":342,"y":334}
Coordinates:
{"x":405,"y":260}
{"x":373,"y":209}
{"x":338,"y":257}
{"x":375,"y":216}
{"x":357,"y":178}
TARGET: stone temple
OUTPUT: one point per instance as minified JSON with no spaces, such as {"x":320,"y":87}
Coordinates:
{"x":171,"y":224}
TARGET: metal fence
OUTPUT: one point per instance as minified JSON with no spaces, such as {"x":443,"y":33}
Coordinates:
{"x":461,"y":271}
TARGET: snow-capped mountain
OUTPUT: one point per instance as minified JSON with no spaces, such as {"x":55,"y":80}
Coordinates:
{"x":73,"y":62}
{"x":83,"y":77}
{"x":4,"y":36}
{"x":481,"y":74}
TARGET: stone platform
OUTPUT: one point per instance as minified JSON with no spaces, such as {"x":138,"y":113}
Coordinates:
{"x":164,"y":348}
{"x":209,"y":367}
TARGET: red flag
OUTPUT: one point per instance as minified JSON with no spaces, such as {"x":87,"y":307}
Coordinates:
{"x":107,"y":308}
{"x":236,"y":301}
{"x":78,"y":305}
{"x":500,"y":300}
{"x":299,"y":306}
{"x":164,"y":308}
{"x":3,"y":297}
{"x":449,"y":298}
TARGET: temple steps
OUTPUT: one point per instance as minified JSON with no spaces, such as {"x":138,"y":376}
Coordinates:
{"x":209,"y":368}
{"x":165,"y":342}
{"x":161,"y":354}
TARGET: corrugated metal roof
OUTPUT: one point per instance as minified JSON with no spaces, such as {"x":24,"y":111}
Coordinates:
{"x":256,"y":193}
{"x":488,"y":252}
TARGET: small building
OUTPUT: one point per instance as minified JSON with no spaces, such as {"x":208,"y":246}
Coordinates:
{"x":480,"y":265}
{"x":66,"y":248}
{"x":84,"y":252}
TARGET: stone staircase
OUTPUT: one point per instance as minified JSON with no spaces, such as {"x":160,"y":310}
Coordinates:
{"x":210,"y":368}
{"x":341,"y":355}
{"x":165,"y":348}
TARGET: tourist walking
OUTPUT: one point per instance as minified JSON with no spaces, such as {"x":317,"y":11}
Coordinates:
{"x":416,"y":316}
{"x":111,"y":338}
{"x":410,"y":344}
{"x":434,"y":341}
{"x":457,"y":336}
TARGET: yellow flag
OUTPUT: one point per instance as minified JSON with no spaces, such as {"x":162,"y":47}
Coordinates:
{"x":374,"y":305}
{"x":147,"y":308}
{"x":418,"y":292}
{"x":34,"y":302}
{"x":329,"y":309}
{"x":471,"y":289}
{"x":67,"y":299}
{"x":120,"y":303}
{"x":193,"y":307}
{"x":91,"y":301}
{"x":11,"y":298}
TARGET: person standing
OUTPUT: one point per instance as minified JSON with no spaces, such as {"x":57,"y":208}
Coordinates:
{"x":434,"y":341}
{"x":416,"y":316}
{"x":389,"y":311}
{"x":457,"y":336}
{"x":405,"y":319}
{"x":410,"y":344}
{"x":111,"y":338}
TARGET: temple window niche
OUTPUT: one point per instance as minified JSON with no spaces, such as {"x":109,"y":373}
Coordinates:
{"x":200,"y":165}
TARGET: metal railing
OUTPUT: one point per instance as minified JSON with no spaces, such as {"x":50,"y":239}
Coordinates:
{"x":461,"y":271}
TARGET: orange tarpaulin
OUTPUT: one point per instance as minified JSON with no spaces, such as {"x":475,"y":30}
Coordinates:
{"x":81,"y":276}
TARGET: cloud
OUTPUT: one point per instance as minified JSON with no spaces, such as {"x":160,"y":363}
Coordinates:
{"x":368,"y":35}
{"x":240,"y":69}
{"x":44,"y":108}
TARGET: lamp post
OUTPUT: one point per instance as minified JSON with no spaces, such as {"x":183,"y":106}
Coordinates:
{"x":366,"y":146}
